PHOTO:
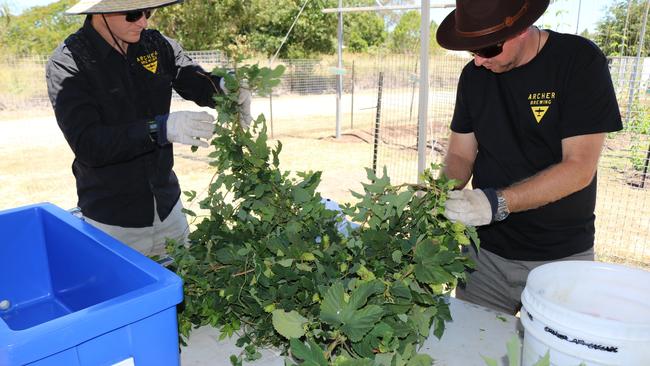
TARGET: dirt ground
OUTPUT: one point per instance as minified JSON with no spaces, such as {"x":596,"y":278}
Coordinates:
{"x":36,"y":160}
{"x":35,"y":163}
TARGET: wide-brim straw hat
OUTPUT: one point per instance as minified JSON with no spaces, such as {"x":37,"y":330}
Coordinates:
{"x":476,"y":24}
{"x":116,"y":6}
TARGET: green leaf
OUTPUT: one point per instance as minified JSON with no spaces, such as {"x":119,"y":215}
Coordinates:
{"x":397,"y":256}
{"x":277,"y":72}
{"x":432,"y":274}
{"x":333,"y":306}
{"x":354,"y":322}
{"x":421,"y":318}
{"x":489,"y":361}
{"x":301,"y":195}
{"x":188,"y":212}
{"x":514,"y":351}
{"x":285,"y":262}
{"x":365,"y":290}
{"x":363,"y":320}
{"x":420,"y":360}
{"x":289,"y":325}
{"x":304,"y":267}
{"x":311,"y":354}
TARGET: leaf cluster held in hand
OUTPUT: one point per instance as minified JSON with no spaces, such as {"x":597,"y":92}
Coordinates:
{"x":270,"y":264}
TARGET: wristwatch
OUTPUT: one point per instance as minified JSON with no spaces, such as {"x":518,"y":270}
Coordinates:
{"x":502,"y":207}
{"x":153,"y":130}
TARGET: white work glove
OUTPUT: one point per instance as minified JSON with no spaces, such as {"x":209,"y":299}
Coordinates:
{"x":470,"y":207}
{"x":188,"y":128}
{"x":244,"y":102}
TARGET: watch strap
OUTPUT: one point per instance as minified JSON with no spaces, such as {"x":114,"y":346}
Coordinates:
{"x":158,"y":130}
{"x":502,"y":207}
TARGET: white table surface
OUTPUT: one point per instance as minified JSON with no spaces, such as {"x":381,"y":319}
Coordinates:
{"x":474,"y":331}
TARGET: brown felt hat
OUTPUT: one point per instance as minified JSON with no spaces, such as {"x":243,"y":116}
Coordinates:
{"x":475,"y":24}
{"x":116,"y":6}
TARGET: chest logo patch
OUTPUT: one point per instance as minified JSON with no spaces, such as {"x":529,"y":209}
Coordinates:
{"x":540,"y":103}
{"x":149,"y":62}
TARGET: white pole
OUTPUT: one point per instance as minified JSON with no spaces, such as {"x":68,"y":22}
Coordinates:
{"x":423,"y":107}
{"x":339,"y":76}
{"x":385,"y":7}
{"x":633,"y":80}
{"x":578,"y":19}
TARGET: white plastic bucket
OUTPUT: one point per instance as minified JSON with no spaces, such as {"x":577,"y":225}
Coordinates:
{"x":586,"y":312}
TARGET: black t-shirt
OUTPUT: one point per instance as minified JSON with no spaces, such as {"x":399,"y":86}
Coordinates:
{"x":519,"y":119}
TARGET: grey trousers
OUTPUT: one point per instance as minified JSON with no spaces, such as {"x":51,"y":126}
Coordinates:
{"x":497,"y":283}
{"x":150,"y":240}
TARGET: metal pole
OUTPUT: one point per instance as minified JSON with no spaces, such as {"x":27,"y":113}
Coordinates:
{"x":377,"y":121}
{"x":638,"y":55}
{"x":423,"y":108}
{"x":352,"y":104}
{"x":415,"y":71}
{"x":578,"y":20}
{"x":339,"y":77}
{"x":271,"y":111}
{"x":633,"y":86}
{"x":384,"y":8}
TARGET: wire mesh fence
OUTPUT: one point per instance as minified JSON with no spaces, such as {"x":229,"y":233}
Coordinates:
{"x":22,"y":82}
{"x":623,"y":206}
{"x":379,"y":106}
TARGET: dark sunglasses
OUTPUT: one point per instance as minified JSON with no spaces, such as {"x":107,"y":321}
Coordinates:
{"x":134,"y":16}
{"x":489,"y":51}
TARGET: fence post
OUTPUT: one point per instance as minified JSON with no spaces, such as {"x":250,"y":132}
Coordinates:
{"x":352,"y":104}
{"x":271,"y":110}
{"x":377,"y":121}
{"x":415,"y":80}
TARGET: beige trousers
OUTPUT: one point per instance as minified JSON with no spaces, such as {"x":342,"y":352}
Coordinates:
{"x":151,"y":240}
{"x":497,"y":283}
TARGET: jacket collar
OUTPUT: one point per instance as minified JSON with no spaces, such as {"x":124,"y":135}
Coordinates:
{"x":96,"y":39}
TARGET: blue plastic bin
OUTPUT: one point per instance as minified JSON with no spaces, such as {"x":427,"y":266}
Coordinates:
{"x":79,"y":297}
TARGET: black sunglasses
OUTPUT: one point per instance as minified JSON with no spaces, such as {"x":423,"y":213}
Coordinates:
{"x":134,"y":16}
{"x":489,"y":51}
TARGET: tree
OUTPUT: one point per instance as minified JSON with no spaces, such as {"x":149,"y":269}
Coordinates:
{"x":39,"y":30}
{"x":611,"y":35}
{"x":254,"y":25}
{"x":363,"y":31}
{"x":314,"y":32}
{"x":405,"y":38}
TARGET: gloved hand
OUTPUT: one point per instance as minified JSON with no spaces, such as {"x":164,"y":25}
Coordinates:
{"x":244,"y":102}
{"x":474,"y":207}
{"x":186,"y":127}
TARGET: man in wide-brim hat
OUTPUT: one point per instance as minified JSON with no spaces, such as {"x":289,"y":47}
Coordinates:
{"x":110,"y":85}
{"x":532,"y":110}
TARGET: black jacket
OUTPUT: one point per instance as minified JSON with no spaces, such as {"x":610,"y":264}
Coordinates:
{"x":102,"y":102}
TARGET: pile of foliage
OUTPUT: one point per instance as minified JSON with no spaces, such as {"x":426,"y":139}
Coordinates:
{"x":272,"y":265}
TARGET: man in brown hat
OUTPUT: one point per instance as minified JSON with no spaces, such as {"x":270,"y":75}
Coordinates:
{"x":532,"y":110}
{"x":110,"y":85}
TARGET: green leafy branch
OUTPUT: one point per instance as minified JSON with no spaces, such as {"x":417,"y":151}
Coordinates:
{"x":271,"y":265}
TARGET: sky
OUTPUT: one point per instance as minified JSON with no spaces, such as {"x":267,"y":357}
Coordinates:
{"x":561,"y":16}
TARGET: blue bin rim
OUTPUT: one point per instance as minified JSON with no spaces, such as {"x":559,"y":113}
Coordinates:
{"x":71,"y":330}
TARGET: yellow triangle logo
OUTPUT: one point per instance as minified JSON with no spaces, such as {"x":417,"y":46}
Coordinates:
{"x":539,"y":112}
{"x":153,"y":66}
